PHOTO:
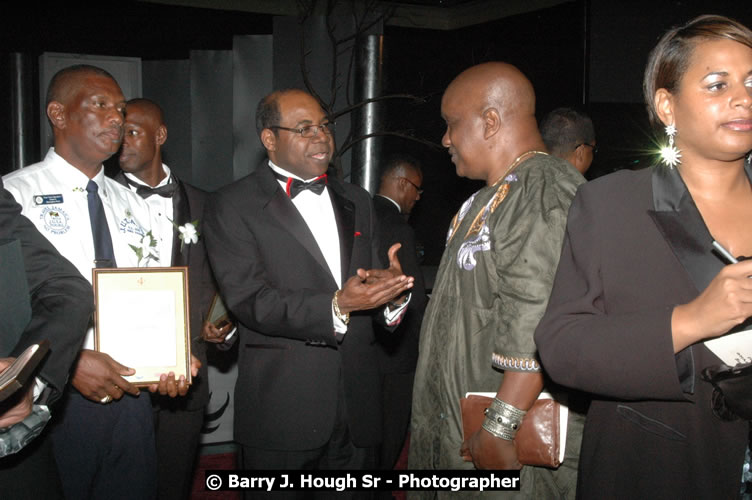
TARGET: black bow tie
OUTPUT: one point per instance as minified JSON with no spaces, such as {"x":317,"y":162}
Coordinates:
{"x":293,"y":187}
{"x":144,"y":191}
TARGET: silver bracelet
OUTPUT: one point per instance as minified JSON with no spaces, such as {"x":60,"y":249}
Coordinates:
{"x":507,"y":410}
{"x":495,"y":416}
{"x":502,"y":419}
{"x":498,"y":430}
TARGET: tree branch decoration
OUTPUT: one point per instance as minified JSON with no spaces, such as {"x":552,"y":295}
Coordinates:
{"x":365,"y":15}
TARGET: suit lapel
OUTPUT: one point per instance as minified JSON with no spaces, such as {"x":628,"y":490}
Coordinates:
{"x":181,"y":213}
{"x":282,"y":209}
{"x":681,"y":225}
{"x":344,"y":213}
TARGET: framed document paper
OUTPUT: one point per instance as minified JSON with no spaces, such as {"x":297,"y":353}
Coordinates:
{"x":142,"y":320}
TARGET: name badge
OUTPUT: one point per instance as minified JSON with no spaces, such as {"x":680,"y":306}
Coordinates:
{"x":48,"y":199}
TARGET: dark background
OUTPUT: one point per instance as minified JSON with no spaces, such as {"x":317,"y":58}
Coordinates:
{"x":586,"y":53}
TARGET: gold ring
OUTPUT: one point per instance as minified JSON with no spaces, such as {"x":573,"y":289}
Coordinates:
{"x":106,"y":399}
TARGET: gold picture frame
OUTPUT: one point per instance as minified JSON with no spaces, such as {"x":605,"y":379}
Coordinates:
{"x":142,"y":320}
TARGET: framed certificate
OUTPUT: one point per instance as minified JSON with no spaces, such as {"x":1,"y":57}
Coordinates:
{"x":142,"y":320}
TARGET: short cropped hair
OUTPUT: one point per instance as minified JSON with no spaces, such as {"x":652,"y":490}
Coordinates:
{"x":143,"y":101}
{"x":267,"y":112}
{"x":669,"y":60}
{"x":395,"y":165}
{"x":58,"y":87}
{"x":565,"y":128}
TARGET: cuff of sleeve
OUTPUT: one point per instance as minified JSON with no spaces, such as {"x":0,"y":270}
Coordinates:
{"x":394,"y":316}
{"x":39,"y":387}
{"x":516,"y":364}
{"x":340,"y":328}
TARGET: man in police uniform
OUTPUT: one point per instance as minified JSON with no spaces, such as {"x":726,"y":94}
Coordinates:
{"x":104,"y":439}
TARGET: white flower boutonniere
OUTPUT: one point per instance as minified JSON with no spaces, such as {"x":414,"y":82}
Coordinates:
{"x":188,"y":233}
{"x":146,"y":250}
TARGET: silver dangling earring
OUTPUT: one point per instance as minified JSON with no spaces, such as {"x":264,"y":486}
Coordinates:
{"x":670,"y":154}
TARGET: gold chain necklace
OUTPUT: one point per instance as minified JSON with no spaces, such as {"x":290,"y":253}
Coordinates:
{"x":495,"y":201}
{"x":516,"y":162}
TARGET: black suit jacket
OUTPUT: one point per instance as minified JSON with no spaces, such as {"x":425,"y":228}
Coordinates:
{"x":275,"y":281}
{"x":61,"y":299}
{"x":188,"y":206}
{"x":399,"y":352}
{"x":636,"y":246}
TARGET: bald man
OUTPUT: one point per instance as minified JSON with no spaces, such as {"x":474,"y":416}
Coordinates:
{"x":493,"y":282}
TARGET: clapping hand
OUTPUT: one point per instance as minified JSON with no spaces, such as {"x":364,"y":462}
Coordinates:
{"x":372,"y":288}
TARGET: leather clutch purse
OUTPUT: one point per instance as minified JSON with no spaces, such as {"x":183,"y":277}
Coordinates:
{"x":732,"y":390}
{"x":538,"y":440}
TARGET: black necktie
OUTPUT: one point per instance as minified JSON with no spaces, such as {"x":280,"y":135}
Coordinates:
{"x":104,"y":255}
{"x":145,"y":191}
{"x":293,"y":187}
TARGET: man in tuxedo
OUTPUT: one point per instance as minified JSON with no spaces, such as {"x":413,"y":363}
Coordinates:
{"x":400,"y":189}
{"x":174,"y":204}
{"x":290,"y":248}
{"x":56,"y":308}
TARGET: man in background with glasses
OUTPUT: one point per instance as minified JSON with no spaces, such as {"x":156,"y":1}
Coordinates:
{"x":569,"y":134}
{"x":295,"y":255}
{"x":400,"y":188}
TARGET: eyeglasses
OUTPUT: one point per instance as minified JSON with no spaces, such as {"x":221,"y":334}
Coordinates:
{"x":595,"y":148}
{"x":417,"y":188}
{"x":309,"y":130}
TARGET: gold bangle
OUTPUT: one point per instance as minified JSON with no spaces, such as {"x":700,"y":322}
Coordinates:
{"x":345,"y":318}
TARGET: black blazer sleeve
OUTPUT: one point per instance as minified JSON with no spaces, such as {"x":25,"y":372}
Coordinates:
{"x":586,"y":339}
{"x":242,"y":252}
{"x":61,"y":299}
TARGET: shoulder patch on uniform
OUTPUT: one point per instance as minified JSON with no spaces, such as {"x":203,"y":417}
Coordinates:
{"x":55,"y":220}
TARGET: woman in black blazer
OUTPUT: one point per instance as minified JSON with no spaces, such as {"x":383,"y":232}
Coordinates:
{"x":639,"y":288}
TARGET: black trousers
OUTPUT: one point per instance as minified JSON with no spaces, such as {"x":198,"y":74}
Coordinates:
{"x":177,"y":435}
{"x":396,"y":403}
{"x":106,"y":450}
{"x":339,"y":453}
{"x":32,"y":472}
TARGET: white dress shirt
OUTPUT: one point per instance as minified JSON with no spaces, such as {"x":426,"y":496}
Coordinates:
{"x":399,"y":209}
{"x":52,"y":195}
{"x":162,"y":215}
{"x":318,"y":213}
